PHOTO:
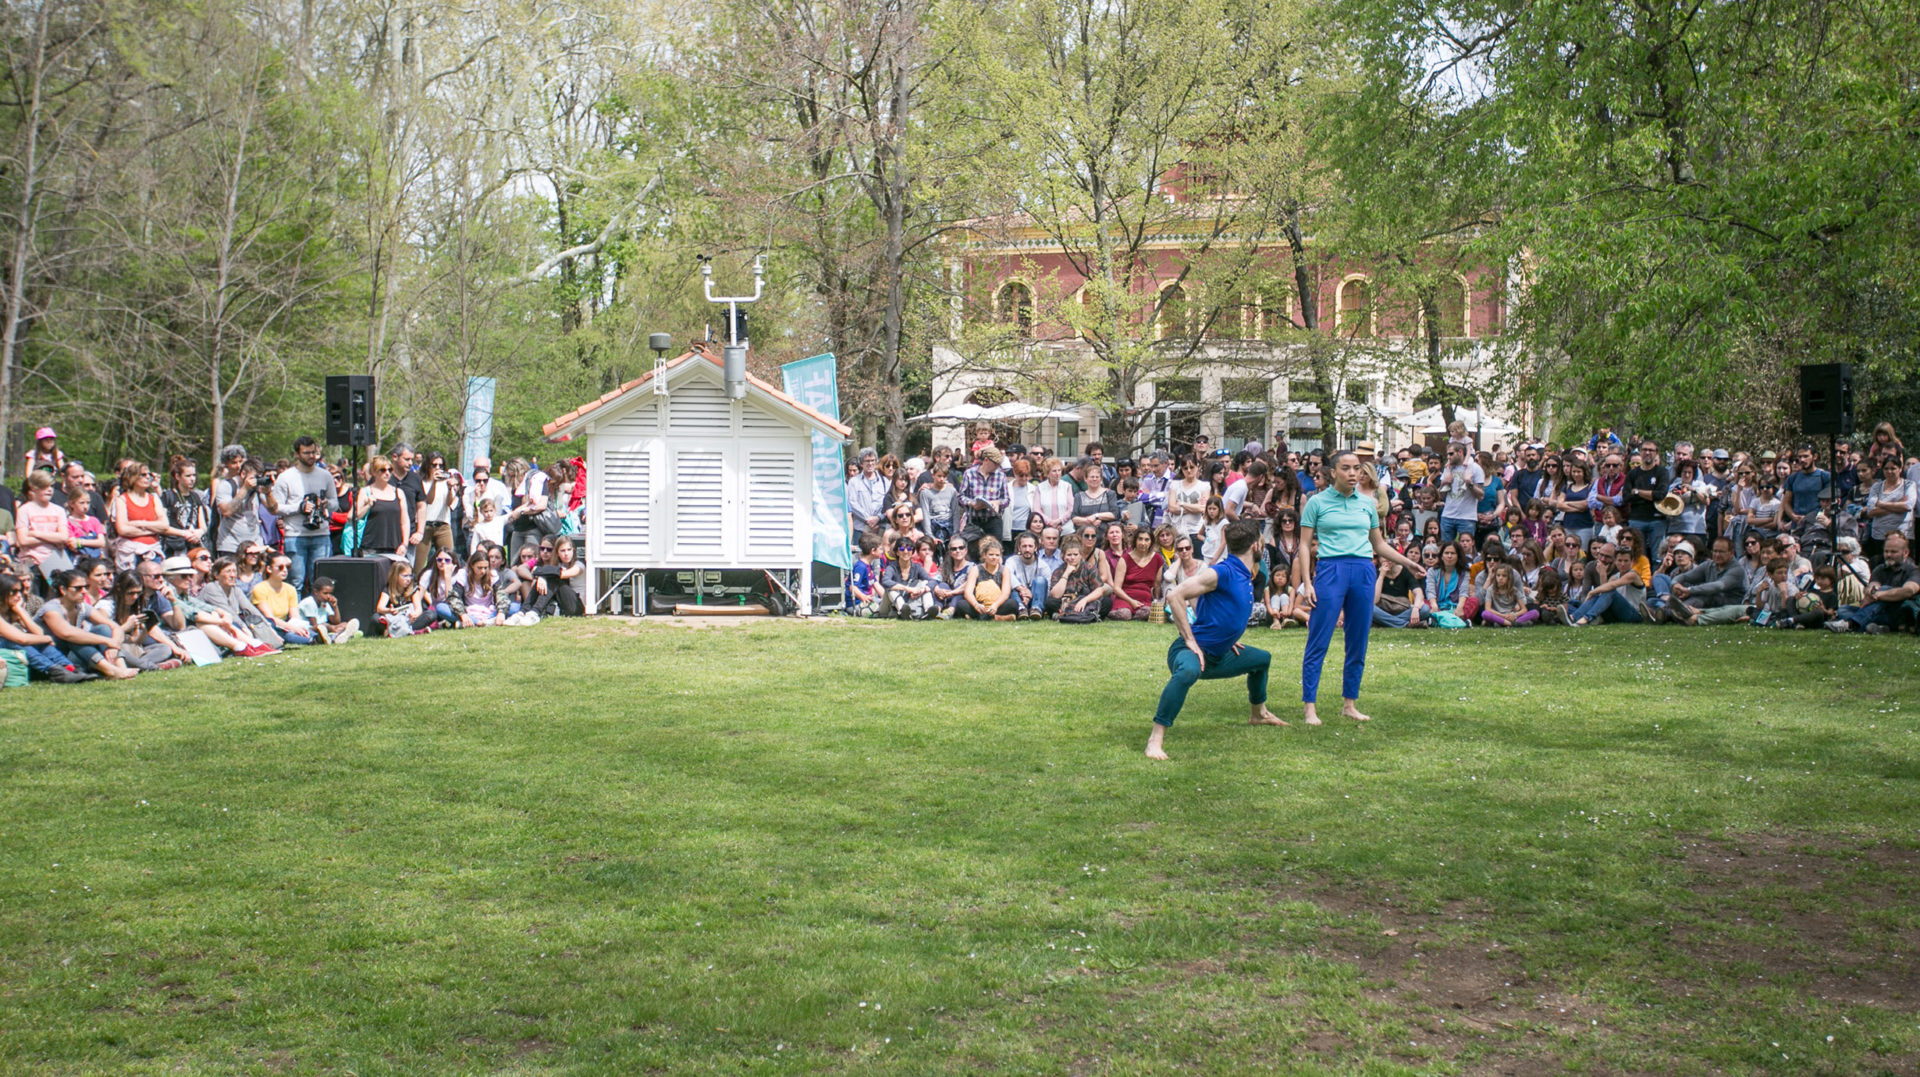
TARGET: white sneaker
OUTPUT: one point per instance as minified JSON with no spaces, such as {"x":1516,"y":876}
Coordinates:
{"x":532,"y":618}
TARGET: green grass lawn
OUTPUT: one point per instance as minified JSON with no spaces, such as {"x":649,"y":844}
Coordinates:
{"x":845,"y":847}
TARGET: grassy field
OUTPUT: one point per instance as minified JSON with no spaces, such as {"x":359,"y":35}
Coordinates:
{"x":603,"y":847}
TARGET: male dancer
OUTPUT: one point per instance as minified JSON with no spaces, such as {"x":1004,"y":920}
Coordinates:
{"x":1209,"y":645}
{"x":1348,"y":524}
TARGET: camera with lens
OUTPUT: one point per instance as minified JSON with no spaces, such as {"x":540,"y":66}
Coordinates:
{"x":317,"y":517}
{"x":262,"y":483}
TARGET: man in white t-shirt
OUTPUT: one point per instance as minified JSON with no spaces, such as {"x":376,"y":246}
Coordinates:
{"x":1464,"y":483}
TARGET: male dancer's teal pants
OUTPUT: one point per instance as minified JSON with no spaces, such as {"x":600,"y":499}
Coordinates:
{"x":1251,"y":663}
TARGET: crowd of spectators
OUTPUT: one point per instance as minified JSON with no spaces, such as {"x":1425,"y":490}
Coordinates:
{"x":125,"y":571}
{"x":1602,"y":531}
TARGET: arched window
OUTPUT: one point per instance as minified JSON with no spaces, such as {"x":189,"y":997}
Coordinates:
{"x":1014,"y":306}
{"x":1354,"y":308}
{"x":1175,"y":319}
{"x":1450,"y":301}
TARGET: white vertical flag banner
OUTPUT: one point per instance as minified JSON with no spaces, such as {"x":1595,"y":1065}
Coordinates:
{"x":478,"y":423}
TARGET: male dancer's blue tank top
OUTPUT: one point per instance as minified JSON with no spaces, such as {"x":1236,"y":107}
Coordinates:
{"x":1220,"y":615}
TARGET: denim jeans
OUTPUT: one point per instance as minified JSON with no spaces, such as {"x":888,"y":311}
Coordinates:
{"x":1661,"y":589}
{"x":1384,"y":619}
{"x":304,"y":550}
{"x":1612,"y":606}
{"x":1873,"y":613}
{"x":1449,"y":528}
{"x":42,"y":658}
{"x":1654,"y":531}
{"x":1251,"y":663}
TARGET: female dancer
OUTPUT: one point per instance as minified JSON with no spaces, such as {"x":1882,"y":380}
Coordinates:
{"x":1347,"y":523}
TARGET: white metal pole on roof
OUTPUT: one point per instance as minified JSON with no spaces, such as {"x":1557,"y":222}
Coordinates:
{"x":734,"y":356}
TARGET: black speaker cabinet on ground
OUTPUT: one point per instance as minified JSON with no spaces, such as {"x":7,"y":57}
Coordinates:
{"x":349,"y":409}
{"x":1826,"y":398}
{"x":356,"y":585}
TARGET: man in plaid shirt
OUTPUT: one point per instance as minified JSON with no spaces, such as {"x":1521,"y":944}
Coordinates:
{"x":983,"y":495}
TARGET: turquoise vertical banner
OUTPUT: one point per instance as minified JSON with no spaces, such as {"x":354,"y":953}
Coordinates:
{"x":815,"y":382}
{"x":479,"y":423}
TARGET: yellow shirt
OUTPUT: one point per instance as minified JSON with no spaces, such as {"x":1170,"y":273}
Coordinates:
{"x":278,"y":605}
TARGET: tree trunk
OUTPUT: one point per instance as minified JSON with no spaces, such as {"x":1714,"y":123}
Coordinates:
{"x":1436,"y":373}
{"x":1306,"y":290}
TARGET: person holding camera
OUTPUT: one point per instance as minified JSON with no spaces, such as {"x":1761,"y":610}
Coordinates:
{"x":236,"y":497}
{"x":304,"y":498}
{"x":432,"y":513}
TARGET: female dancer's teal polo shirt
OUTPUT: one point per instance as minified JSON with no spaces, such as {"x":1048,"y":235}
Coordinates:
{"x":1342,"y":523}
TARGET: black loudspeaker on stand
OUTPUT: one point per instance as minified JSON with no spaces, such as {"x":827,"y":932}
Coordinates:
{"x":357,"y":582}
{"x":1826,"y":398}
{"x":350,"y":417}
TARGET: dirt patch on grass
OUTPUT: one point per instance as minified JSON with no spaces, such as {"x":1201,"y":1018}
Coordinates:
{"x":1835,"y":920}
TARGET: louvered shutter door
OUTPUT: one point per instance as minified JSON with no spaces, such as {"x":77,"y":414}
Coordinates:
{"x":699,"y":409}
{"x":699,"y":499}
{"x":626,"y":494}
{"x":773,"y":491}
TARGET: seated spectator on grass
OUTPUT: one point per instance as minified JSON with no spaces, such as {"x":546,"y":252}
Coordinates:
{"x":439,"y":591}
{"x":954,"y":579}
{"x":1447,"y":584}
{"x":1620,"y":598}
{"x":1397,"y":597}
{"x":146,"y":646}
{"x":88,"y":639}
{"x":223,"y":592}
{"x":1816,"y":604}
{"x":1775,"y":595}
{"x":909,"y":586}
{"x":1852,"y":572}
{"x":1504,"y":603}
{"x":276,"y":600}
{"x":1674,"y":566}
{"x":20,"y":632}
{"x":1078,"y":588}
{"x":1137,"y":578}
{"x":556,"y":584}
{"x":182,"y":589}
{"x":399,"y":607}
{"x":250,"y":566}
{"x":864,"y":590}
{"x":322,"y":611}
{"x":1030,"y":576}
{"x":990,"y":597}
{"x":1893,"y":585}
{"x":1550,"y":598}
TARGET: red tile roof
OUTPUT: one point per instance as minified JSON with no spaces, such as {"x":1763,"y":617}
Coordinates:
{"x":696,"y":351}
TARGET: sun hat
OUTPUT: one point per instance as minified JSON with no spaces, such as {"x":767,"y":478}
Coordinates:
{"x":44,"y":433}
{"x":1366,"y":448}
{"x":1671,"y":505}
{"x":175,"y":564}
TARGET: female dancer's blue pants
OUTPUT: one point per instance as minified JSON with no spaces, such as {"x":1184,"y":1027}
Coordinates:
{"x":1339,"y":584}
{"x":1251,"y":663}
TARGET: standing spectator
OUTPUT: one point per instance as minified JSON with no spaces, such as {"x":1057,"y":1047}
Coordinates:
{"x":983,"y":496}
{"x":89,"y":534}
{"x":1464,"y":483}
{"x":1155,"y":479}
{"x":937,"y":501}
{"x":1695,"y":495}
{"x":1647,"y":483}
{"x":433,"y":524}
{"x":1187,"y":500}
{"x":530,"y":519}
{"x":1053,"y":498}
{"x":189,"y":510}
{"x":484,"y":485}
{"x":1096,"y":506}
{"x":384,"y":509}
{"x":236,"y":499}
{"x":867,"y":497}
{"x":1020,"y":499}
{"x":41,"y":535}
{"x":304,"y":497}
{"x":1890,"y":506}
{"x":1892,"y":584}
{"x":1492,"y":496}
{"x":1801,"y":492}
{"x":138,"y":518}
{"x":1572,"y":502}
{"x":45,"y":454}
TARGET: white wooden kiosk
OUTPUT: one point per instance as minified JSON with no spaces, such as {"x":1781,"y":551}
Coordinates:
{"x":681,"y":476}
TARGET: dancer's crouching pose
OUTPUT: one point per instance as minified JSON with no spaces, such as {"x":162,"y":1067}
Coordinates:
{"x":1348,"y":525}
{"x":1209,"y":644}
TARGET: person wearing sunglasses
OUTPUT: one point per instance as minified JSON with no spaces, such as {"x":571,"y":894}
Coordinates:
{"x":955,"y":579}
{"x":439,"y":593}
{"x":278,"y":600}
{"x":90,"y":640}
{"x":383,"y":508}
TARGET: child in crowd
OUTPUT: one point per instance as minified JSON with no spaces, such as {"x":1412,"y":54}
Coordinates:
{"x":1213,"y":544}
{"x":1816,"y":606}
{"x":937,"y":500}
{"x":475,"y":589}
{"x":1774,"y":595}
{"x":399,"y":607}
{"x":863,"y":581}
{"x":86,"y":529}
{"x":1550,"y":599}
{"x":321,"y":611}
{"x":1506,"y":601}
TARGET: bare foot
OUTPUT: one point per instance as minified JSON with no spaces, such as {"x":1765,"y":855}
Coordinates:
{"x":1312,"y":715}
{"x":1262,"y":716}
{"x":1352,"y":711}
{"x":1154,"y":751}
